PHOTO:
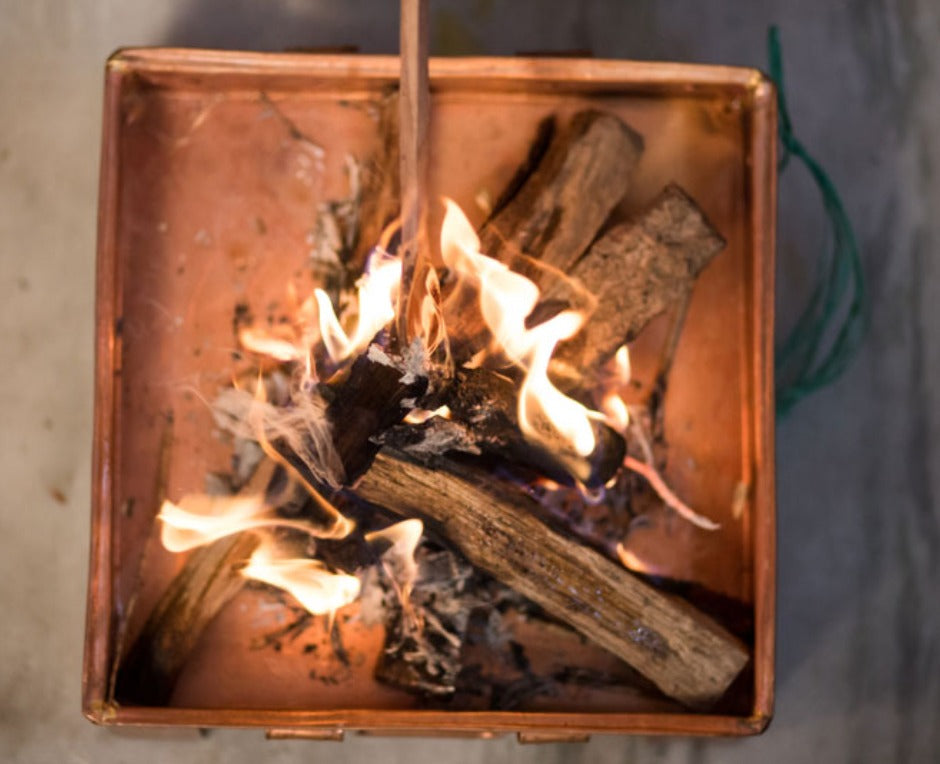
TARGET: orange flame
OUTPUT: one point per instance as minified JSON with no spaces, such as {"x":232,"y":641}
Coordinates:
{"x":430,"y":318}
{"x":612,"y":404}
{"x":506,"y":299}
{"x":377,"y":294}
{"x":316,"y":319}
{"x":308,"y":581}
{"x":265,"y":343}
{"x":404,"y":538}
{"x":420,"y":416}
{"x":632,"y":561}
{"x":199,"y":519}
{"x":629,"y":560}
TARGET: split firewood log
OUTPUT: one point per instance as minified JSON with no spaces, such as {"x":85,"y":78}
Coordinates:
{"x":684,"y":653}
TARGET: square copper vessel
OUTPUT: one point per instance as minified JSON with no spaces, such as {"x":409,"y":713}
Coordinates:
{"x":210,"y":182}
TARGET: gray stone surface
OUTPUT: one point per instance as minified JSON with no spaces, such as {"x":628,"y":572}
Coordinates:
{"x":859,"y":541}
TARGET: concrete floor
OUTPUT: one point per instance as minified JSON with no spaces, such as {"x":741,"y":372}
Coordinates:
{"x":859,"y":541}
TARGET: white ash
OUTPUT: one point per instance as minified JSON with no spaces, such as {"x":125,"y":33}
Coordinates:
{"x":414,"y":362}
{"x":431,"y":439}
{"x":377,"y":355}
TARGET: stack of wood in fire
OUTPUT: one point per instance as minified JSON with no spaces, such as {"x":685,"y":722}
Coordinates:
{"x":476,"y":473}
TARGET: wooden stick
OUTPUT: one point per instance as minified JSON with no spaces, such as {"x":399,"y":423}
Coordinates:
{"x":413,"y":136}
{"x":209,"y":579}
{"x":683,"y":652}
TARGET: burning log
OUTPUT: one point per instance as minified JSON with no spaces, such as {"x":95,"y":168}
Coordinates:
{"x":372,"y":397}
{"x":551,"y":214}
{"x":209,"y":579}
{"x":656,"y":259}
{"x":684,"y":653}
{"x":483,"y":405}
{"x":487,"y":403}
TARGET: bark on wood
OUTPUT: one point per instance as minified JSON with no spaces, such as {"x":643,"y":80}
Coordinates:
{"x":637,"y":270}
{"x":555,"y":213}
{"x":208,"y":580}
{"x":558,"y":212}
{"x":684,"y":653}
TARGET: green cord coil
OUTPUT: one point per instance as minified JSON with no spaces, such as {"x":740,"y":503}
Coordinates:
{"x":838,"y":306}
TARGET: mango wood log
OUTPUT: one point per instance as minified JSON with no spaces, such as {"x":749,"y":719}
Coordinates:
{"x":684,"y":653}
{"x":558,"y":211}
{"x":636,"y":271}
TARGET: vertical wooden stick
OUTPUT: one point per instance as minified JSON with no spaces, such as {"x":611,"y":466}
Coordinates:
{"x":413,"y":133}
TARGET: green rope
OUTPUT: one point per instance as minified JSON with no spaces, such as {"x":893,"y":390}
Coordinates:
{"x":804,"y":362}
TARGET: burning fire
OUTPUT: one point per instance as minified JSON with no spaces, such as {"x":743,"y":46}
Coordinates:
{"x":506,"y":300}
{"x":316,"y":319}
{"x":420,"y":416}
{"x":546,"y":415}
{"x":265,"y":343}
{"x":630,"y":560}
{"x":377,"y":295}
{"x":319,"y":590}
{"x":200,"y":519}
{"x":613,"y":404}
{"x":399,"y":557}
